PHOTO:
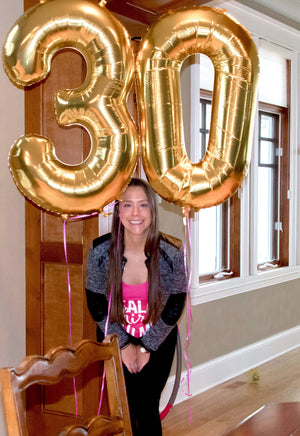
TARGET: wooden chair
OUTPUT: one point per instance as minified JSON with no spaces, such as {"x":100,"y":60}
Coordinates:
{"x":63,"y":362}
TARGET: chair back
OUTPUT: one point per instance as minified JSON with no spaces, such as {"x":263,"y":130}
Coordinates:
{"x":61,"y":362}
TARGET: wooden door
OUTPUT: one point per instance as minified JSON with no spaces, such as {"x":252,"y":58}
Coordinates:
{"x":47,"y":297}
{"x":47,"y":300}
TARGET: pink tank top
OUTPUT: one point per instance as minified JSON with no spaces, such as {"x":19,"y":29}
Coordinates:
{"x":135,"y":299}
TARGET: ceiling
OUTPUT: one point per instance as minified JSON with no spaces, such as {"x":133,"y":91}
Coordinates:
{"x":284,"y":11}
{"x":147,"y":11}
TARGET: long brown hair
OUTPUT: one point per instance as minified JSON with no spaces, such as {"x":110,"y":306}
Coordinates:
{"x":116,"y":259}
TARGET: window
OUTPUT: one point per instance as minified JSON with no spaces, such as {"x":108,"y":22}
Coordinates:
{"x":268,"y":214}
{"x":219,"y":225}
{"x":272,"y":196}
{"x":214,"y":222}
{"x":247,"y":238}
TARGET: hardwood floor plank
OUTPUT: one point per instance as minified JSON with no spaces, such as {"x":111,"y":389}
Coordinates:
{"x":219,"y":410}
{"x":278,"y":419}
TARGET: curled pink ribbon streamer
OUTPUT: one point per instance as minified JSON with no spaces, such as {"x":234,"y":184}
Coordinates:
{"x":70,"y":311}
{"x":105,"y":333}
{"x":77,"y":217}
{"x":189,"y":317}
{"x":70,"y":301}
{"x":106,"y":325}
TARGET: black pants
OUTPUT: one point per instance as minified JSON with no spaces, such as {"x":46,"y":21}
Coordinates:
{"x":144,"y":388}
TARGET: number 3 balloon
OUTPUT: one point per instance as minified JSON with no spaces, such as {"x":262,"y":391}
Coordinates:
{"x":99,"y":105}
{"x":234,"y":56}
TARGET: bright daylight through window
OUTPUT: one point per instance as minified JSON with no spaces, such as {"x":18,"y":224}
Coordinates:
{"x":220,"y":254}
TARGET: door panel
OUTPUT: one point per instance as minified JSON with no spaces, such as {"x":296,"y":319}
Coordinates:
{"x":56,"y":304}
{"x":53,"y":230}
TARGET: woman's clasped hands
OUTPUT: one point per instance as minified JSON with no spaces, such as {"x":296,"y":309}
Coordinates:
{"x":133,"y":358}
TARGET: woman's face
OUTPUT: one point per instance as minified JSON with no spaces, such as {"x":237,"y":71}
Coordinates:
{"x":135,"y":213}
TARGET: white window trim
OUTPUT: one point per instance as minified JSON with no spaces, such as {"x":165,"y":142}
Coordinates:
{"x":238,"y":285}
{"x":250,"y":279}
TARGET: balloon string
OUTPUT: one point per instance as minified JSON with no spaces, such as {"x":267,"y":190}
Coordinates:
{"x":78,"y":217}
{"x":70,"y":310}
{"x":105,"y":333}
{"x":70,"y":305}
{"x":189,"y":317}
{"x":106,"y":325}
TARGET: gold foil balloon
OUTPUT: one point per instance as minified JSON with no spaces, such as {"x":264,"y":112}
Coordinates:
{"x":98,"y":105}
{"x":234,"y":56}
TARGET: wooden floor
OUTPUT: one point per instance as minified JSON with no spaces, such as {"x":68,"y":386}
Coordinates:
{"x":221,"y":409}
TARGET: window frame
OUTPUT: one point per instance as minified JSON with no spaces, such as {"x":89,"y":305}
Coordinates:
{"x":250,"y":278}
{"x":231,"y":247}
{"x":284,"y":143}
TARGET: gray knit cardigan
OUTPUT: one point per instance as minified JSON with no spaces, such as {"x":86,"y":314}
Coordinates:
{"x":173,"y":286}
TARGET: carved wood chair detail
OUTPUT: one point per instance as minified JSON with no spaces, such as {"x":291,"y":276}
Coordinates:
{"x":61,"y":362}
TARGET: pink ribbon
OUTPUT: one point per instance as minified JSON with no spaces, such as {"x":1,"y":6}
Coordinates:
{"x":70,"y":312}
{"x":189,"y":317}
{"x":105,"y":333}
{"x":70,"y":301}
{"x":106,"y":325}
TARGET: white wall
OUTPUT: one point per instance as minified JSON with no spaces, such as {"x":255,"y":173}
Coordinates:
{"x":12,"y":255}
{"x":298,"y":166}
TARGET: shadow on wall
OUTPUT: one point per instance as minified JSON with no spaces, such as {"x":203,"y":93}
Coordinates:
{"x":171,"y":219}
{"x":3,"y":431}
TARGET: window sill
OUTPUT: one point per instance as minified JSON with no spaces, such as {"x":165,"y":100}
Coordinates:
{"x":206,"y":292}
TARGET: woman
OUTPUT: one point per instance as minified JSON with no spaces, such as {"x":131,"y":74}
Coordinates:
{"x":143,"y":276}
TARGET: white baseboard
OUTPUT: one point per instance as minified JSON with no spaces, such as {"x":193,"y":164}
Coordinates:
{"x":217,"y":371}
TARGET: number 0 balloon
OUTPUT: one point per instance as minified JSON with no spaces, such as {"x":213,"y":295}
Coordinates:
{"x":234,"y":56}
{"x":99,"y":105}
